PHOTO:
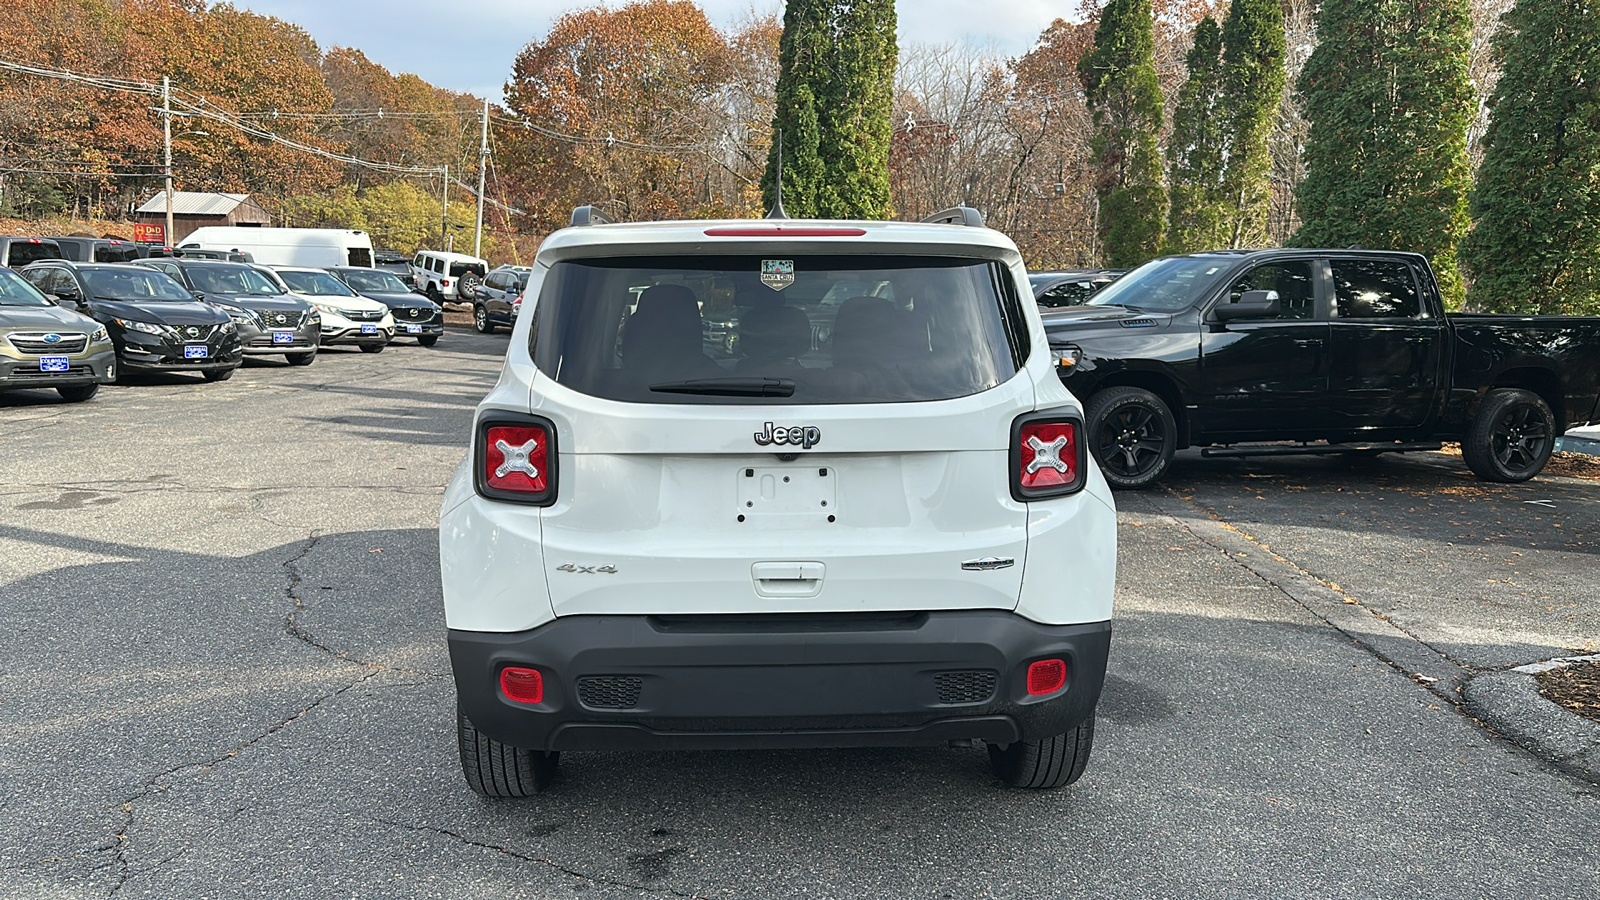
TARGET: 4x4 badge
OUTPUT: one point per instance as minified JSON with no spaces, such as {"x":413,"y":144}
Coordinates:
{"x":588,"y":570}
{"x":777,"y":273}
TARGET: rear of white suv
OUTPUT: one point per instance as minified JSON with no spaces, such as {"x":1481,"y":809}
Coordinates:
{"x":872,"y":522}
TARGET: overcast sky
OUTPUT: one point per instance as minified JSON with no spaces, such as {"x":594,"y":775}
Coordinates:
{"x":468,"y":45}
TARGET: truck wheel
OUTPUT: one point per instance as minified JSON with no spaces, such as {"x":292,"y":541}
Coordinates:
{"x":494,"y":769}
{"x":77,"y":393}
{"x":1049,"y":763}
{"x":480,"y":319}
{"x":218,"y":374}
{"x":1511,"y":438}
{"x":1132,"y":435}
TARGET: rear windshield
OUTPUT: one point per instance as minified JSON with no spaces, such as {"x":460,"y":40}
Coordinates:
{"x":25,"y":252}
{"x":115,"y":253}
{"x":459,"y":269}
{"x":725,"y":329}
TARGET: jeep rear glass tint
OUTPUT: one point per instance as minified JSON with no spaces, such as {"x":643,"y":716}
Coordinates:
{"x":846,"y":329}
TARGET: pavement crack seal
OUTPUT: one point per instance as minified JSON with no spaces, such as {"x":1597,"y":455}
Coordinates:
{"x":552,"y":864}
{"x":1369,"y":629}
{"x":164,"y":781}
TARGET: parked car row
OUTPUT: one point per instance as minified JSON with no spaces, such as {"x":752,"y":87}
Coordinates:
{"x":76,"y":325}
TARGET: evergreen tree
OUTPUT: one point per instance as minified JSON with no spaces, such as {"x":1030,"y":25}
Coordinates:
{"x":835,"y":94}
{"x":1389,"y":100}
{"x":1194,"y":155}
{"x":1535,"y":244}
{"x":1252,"y":88}
{"x":1119,"y":77}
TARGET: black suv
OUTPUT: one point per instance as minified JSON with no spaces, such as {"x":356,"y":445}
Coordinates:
{"x":270,"y":320}
{"x":498,"y":298}
{"x":155,"y":323}
{"x":414,"y":315}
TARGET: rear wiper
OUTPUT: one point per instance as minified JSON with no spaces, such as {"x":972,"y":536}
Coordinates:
{"x":730,"y":387}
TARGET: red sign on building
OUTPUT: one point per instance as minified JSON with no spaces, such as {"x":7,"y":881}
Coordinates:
{"x":150,"y":233}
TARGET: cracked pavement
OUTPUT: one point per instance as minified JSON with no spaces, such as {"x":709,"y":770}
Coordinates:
{"x":223,"y":674}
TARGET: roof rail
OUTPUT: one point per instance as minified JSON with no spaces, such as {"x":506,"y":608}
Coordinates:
{"x":590,"y":215}
{"x":957,"y":215}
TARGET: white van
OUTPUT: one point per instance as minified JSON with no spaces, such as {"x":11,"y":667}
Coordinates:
{"x":875,"y":524}
{"x":440,"y":275}
{"x":314,"y":247}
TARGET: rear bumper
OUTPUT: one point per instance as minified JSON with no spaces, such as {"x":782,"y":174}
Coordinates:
{"x":649,"y":682}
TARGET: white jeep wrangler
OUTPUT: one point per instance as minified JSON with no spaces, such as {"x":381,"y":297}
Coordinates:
{"x":777,"y":483}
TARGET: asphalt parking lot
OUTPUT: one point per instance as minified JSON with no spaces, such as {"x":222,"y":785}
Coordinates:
{"x":223,"y":674}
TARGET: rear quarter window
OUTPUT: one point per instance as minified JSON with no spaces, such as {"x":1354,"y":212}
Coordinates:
{"x":847,"y":329}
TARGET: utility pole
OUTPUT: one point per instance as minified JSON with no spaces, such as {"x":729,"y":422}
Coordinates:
{"x":444,"y":209}
{"x":166,"y":137}
{"x":483,"y":165}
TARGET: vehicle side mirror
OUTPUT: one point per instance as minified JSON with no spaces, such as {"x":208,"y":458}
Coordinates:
{"x":199,"y":295}
{"x":66,"y":301}
{"x":1251,"y":305}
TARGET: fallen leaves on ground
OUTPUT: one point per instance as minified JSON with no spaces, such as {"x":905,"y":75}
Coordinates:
{"x":1577,"y":687}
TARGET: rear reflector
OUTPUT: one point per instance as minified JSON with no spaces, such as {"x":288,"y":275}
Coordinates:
{"x":1047,"y":457}
{"x":1044,"y":677}
{"x":526,"y":685}
{"x":785,"y":231}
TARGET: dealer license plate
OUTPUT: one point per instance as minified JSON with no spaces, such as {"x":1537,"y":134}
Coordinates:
{"x":369,"y":329}
{"x":53,"y":364}
{"x":195,"y":351}
{"x":413,"y":329}
{"x":283,"y":337}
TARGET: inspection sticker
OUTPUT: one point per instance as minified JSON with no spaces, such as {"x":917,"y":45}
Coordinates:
{"x":777,"y":273}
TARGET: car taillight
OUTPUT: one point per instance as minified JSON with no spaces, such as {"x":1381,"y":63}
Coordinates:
{"x":522,"y":684}
{"x":444,"y":282}
{"x":1048,"y":457}
{"x":515,"y":459}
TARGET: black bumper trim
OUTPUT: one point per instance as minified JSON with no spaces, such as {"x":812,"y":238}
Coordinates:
{"x":743,"y":682}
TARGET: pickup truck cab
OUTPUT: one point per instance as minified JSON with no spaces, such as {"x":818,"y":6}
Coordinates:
{"x":1327,"y":350}
{"x":887,"y":537}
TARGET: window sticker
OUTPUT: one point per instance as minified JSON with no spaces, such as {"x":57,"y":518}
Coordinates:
{"x":777,"y":273}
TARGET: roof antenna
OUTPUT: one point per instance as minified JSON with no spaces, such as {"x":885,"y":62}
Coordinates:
{"x":777,"y":185}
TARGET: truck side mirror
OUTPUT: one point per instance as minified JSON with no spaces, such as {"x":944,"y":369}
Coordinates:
{"x":1251,"y":305}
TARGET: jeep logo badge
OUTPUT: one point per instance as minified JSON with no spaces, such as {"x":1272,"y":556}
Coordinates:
{"x":806,"y":436}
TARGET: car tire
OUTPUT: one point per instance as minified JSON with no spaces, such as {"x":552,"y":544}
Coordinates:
{"x":218,"y":374}
{"x":1049,"y":763}
{"x":494,"y":769}
{"x":78,"y":393}
{"x":480,"y":319}
{"x":302,"y":359}
{"x":373,"y":348}
{"x":1511,"y":438}
{"x":434,"y":295}
{"x":428,"y":340}
{"x":1132,"y":434}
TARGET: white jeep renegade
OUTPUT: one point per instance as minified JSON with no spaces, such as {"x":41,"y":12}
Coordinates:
{"x":777,"y":483}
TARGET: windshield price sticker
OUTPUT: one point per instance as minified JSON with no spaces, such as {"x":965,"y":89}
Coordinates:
{"x":777,"y":273}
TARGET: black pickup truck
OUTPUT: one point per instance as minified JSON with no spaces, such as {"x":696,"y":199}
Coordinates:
{"x":1250,"y":353}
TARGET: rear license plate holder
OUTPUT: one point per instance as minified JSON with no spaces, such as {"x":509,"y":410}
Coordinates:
{"x":794,"y":490}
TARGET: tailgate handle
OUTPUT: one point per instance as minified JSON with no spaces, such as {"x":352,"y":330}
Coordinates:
{"x":788,"y":579}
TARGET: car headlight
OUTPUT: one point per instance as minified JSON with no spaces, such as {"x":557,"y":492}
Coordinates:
{"x":313,"y":316}
{"x":242,"y":318}
{"x":229,"y":327}
{"x":100,"y":335}
{"x":146,"y":327}
{"x":1065,"y":357}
